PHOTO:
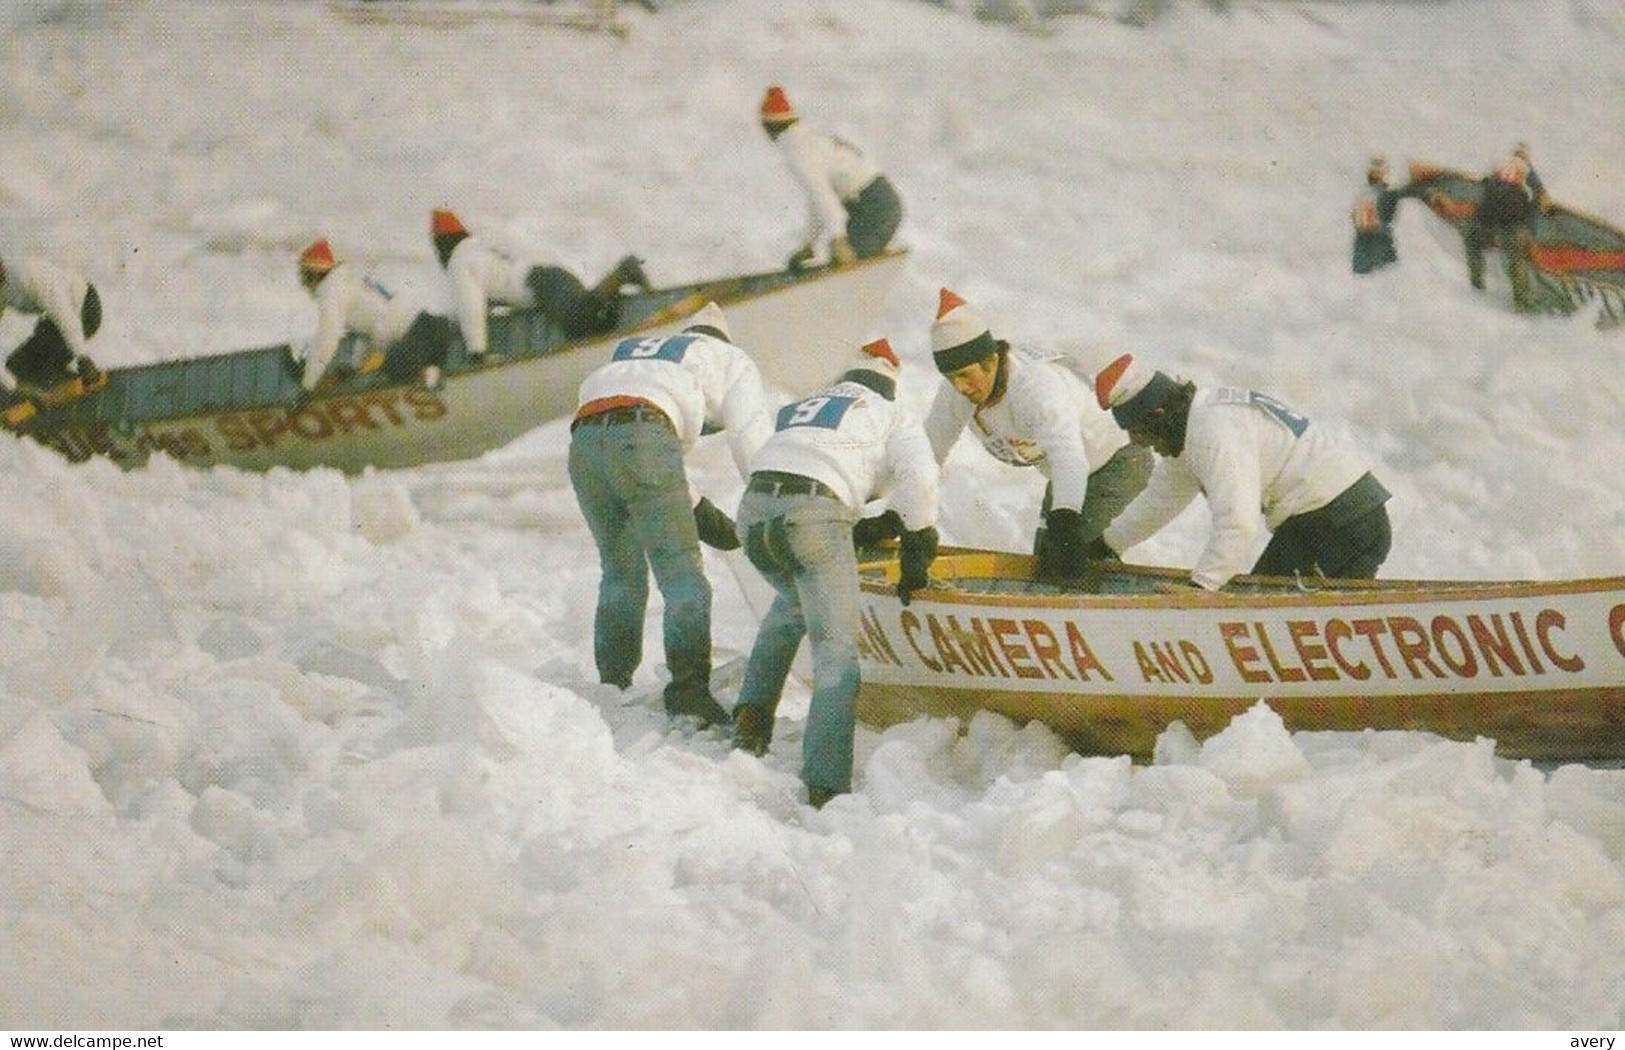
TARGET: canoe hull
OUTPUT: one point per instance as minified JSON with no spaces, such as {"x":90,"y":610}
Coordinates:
{"x":1577,"y":261}
{"x":1540,"y":668}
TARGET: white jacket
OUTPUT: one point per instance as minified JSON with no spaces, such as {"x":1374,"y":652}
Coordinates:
{"x":862,"y":446}
{"x":830,"y":170}
{"x":700,"y":382}
{"x":479,"y":275}
{"x":1250,"y":455}
{"x":350,"y":301}
{"x":1047,"y":418}
{"x":39,"y":286}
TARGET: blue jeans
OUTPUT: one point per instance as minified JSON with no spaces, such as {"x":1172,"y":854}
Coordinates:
{"x":803,"y":546}
{"x":633,"y":491}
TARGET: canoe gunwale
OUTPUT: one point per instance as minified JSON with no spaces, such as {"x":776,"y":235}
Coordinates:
{"x":1261,"y":591}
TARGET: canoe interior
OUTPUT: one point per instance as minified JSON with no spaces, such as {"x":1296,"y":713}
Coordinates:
{"x":965,"y":573}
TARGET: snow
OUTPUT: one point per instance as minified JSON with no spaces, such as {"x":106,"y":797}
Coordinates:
{"x":301,"y":751}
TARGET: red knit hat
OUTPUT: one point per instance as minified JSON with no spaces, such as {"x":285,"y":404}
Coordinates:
{"x":1119,"y":381}
{"x":443,"y":222}
{"x":959,"y":336}
{"x":1131,"y":390}
{"x":776,"y":108}
{"x":318,"y":258}
{"x":879,"y":356}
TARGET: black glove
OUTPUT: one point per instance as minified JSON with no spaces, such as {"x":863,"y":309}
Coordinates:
{"x":715,"y":527}
{"x":1064,"y":555}
{"x":1100,"y":550}
{"x":800,"y":258}
{"x":917,"y":550}
{"x":872,"y":531}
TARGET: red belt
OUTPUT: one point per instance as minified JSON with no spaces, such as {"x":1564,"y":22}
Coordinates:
{"x":608,"y":411}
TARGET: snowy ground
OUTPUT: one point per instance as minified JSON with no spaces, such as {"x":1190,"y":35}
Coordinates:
{"x":297,"y":751}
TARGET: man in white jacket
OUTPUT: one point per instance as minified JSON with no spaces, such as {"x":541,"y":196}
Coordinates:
{"x":414,"y":341}
{"x":831,"y":454}
{"x":1258,"y":462}
{"x":639,"y":415}
{"x":481,"y":274}
{"x":853,"y":210}
{"x":1037,"y":411}
{"x":70,"y":313}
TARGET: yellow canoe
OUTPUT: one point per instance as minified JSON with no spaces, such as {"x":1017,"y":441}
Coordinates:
{"x":1112,"y":662}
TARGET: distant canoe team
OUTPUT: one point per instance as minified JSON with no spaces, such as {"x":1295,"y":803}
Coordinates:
{"x":1122,"y":451}
{"x":1512,"y":196}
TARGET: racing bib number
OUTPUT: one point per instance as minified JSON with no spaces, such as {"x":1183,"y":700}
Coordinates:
{"x":653,"y":348}
{"x":825,"y":411}
{"x":1283,"y":415}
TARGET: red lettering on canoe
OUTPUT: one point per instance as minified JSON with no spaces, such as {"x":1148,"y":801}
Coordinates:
{"x":1282,"y":674}
{"x":1084,"y":657}
{"x":1047,"y":648}
{"x":1464,"y":663}
{"x":1310,"y":653}
{"x":911,"y":625}
{"x":1014,"y":652}
{"x":1413,"y":645}
{"x":1337,"y":632}
{"x":1547,"y":621}
{"x":1235,"y":636}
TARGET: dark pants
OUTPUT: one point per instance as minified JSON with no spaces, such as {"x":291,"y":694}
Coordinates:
{"x":1373,"y":250}
{"x":633,"y":490}
{"x":1505,"y":219}
{"x":1347,"y":539}
{"x":1505,"y":204}
{"x":1112,"y":488}
{"x":872,"y":218}
{"x":44,"y":359}
{"x":1514,"y":244}
{"x":579,"y":310}
{"x":425,"y":343}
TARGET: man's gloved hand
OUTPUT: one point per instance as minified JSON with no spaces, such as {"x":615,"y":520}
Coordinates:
{"x":715,"y":527}
{"x":840,"y":251}
{"x":1064,"y":555}
{"x":918,"y":549}
{"x":801,"y":258}
{"x":1100,"y":550}
{"x":872,"y":531}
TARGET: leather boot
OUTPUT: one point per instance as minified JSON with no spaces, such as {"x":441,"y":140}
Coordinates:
{"x":753,"y":729}
{"x":698,"y":705}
